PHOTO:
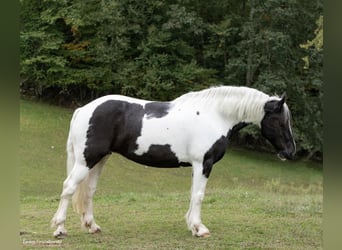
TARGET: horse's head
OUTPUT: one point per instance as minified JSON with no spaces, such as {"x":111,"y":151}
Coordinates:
{"x":276,"y":128}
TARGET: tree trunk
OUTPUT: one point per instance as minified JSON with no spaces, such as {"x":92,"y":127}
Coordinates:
{"x":250,"y":69}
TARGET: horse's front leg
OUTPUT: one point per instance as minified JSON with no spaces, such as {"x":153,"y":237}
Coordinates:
{"x":193,"y":216}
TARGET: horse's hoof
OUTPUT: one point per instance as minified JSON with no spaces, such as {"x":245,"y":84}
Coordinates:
{"x":95,"y":231}
{"x":60,"y":235}
{"x":200,"y":231}
{"x":205,"y":235}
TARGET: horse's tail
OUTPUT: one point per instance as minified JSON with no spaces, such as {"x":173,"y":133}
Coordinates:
{"x":79,"y":197}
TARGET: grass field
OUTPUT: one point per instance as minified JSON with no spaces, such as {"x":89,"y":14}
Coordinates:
{"x":253,"y":200}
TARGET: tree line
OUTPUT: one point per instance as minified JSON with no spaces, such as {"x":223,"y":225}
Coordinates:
{"x":75,"y":51}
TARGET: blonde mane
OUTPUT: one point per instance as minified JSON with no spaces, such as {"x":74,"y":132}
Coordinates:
{"x":239,"y":103}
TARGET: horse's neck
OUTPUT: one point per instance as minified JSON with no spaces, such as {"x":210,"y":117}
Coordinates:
{"x":233,"y":104}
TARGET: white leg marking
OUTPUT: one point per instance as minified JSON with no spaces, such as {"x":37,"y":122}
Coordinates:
{"x":77,"y":174}
{"x":83,"y":203}
{"x":193,"y":216}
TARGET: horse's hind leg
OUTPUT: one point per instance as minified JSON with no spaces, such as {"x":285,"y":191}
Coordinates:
{"x":78,"y":173}
{"x":83,"y":197}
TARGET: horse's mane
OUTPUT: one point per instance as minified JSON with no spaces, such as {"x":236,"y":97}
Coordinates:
{"x":243,"y":103}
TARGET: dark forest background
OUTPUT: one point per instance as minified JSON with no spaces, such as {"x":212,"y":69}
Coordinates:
{"x":75,"y":51}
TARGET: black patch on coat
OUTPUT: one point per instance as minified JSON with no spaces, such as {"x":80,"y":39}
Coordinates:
{"x":159,"y":156}
{"x":218,"y":149}
{"x":275,"y":128}
{"x":157,"y":109}
{"x":236,"y":129}
{"x":115,"y":126}
{"x":272,"y":124}
{"x":214,"y":154}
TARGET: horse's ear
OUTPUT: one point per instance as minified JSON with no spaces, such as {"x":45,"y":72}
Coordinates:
{"x":276,"y":106}
{"x":281,"y":102}
{"x":282,"y":99}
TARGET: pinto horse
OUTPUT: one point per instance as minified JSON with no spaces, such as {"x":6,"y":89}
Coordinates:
{"x":192,"y":130}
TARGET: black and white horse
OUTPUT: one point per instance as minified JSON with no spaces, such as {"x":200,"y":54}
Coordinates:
{"x":192,"y":130}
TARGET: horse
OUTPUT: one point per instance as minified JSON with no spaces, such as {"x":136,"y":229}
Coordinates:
{"x":191,"y":130}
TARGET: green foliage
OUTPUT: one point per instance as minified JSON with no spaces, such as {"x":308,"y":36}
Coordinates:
{"x":75,"y":51}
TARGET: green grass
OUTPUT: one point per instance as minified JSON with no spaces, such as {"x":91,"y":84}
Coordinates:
{"x":253,"y":200}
